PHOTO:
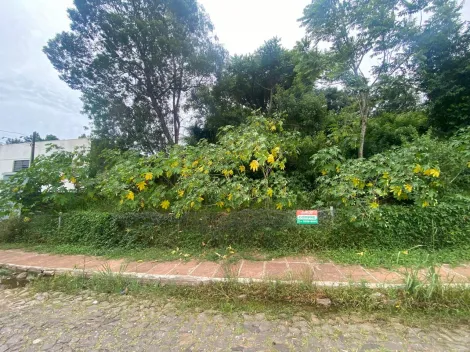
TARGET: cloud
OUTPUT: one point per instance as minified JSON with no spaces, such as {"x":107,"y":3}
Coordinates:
{"x":32,"y":97}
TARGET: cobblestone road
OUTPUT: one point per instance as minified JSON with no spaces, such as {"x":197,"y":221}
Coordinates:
{"x":93,"y":322}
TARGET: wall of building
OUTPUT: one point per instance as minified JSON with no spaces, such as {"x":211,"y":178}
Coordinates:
{"x":22,"y":151}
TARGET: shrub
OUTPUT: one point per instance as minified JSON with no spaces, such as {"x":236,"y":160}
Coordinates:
{"x":446,"y":225}
{"x":421,"y":173}
{"x":12,"y":229}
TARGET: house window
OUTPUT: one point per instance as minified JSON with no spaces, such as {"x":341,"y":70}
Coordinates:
{"x":19,"y":165}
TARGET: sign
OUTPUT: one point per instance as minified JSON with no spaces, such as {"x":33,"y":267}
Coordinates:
{"x":307,"y":217}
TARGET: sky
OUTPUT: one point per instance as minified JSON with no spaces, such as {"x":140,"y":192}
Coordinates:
{"x":33,"y":98}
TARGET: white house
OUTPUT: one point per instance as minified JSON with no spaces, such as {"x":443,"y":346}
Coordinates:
{"x":14,"y":157}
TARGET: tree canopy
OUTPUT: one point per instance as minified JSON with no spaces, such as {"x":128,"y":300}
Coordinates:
{"x":135,"y":63}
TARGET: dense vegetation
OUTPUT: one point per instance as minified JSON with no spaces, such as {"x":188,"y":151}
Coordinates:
{"x":375,"y":126}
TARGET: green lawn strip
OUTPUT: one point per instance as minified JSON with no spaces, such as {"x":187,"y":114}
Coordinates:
{"x":415,"y":303}
{"x":393,"y":258}
{"x":373,"y":258}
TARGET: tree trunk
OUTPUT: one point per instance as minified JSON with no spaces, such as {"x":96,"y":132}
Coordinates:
{"x":364,"y":110}
{"x":363,"y":136}
{"x":270,"y":101}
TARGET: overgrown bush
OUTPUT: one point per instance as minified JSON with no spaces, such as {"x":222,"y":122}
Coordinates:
{"x":421,"y":173}
{"x":446,"y":225}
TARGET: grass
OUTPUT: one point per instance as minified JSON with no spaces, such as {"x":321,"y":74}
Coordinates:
{"x":399,"y":257}
{"x":372,"y":258}
{"x":417,"y":301}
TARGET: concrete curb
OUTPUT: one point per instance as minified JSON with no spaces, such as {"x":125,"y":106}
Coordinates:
{"x":195,"y":280}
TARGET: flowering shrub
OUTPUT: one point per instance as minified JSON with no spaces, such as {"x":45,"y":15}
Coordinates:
{"x":245,"y":167}
{"x":419,"y":173}
{"x":56,"y":180}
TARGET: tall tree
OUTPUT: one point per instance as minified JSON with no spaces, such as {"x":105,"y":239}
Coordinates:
{"x":136,"y":61}
{"x":361,"y":29}
{"x":255,"y":77}
{"x":442,"y":66}
{"x":248,"y":82}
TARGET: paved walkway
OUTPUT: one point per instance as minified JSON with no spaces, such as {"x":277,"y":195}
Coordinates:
{"x":55,"y":321}
{"x":290,"y":268}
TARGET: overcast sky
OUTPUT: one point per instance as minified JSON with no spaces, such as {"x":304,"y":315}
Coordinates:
{"x":33,"y":98}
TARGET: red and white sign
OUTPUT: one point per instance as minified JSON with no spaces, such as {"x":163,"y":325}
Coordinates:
{"x":307,"y":212}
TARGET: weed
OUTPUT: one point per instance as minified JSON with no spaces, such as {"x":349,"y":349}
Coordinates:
{"x":415,"y":300}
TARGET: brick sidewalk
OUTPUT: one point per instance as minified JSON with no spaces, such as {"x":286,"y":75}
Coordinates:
{"x":301,"y":268}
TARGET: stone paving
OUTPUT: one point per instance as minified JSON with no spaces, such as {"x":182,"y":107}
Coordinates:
{"x":97,"y":322}
{"x":301,"y":268}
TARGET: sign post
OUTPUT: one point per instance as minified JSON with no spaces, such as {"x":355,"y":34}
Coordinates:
{"x":307,"y":217}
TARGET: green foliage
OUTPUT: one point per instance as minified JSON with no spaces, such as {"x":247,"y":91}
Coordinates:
{"x":135,"y":63}
{"x":245,"y":167}
{"x":56,"y":181}
{"x":29,"y":139}
{"x":442,"y":76}
{"x":421,"y":173}
{"x":356,"y":30}
{"x":12,"y":229}
{"x":389,"y":129}
{"x":247,"y":83}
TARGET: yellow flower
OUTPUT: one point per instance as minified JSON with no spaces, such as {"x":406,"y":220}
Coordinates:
{"x":130,"y":195}
{"x":180,"y":193}
{"x":141,"y":185}
{"x":174,"y":164}
{"x":405,"y":252}
{"x":227,"y":173}
{"x":220,"y":204}
{"x":408,"y":187}
{"x":192,"y":204}
{"x":195,"y":163}
{"x":73,"y":180}
{"x":200,"y":169}
{"x":242,"y":168}
{"x":370,"y":184}
{"x":165,"y":204}
{"x":338,"y":169}
{"x":324,"y":172}
{"x":386,"y":175}
{"x":374,"y":205}
{"x":397,"y":190}
{"x":356,"y":181}
{"x":15,"y":189}
{"x":271,"y":159}
{"x":417,"y":169}
{"x":425,"y":204}
{"x":270,"y":192}
{"x":169,"y":173}
{"x":230,"y":196}
{"x":62,"y":177}
{"x":273,"y":127}
{"x":121,"y":201}
{"x":432,"y":172}
{"x":26,"y":219}
{"x":279,"y":206}
{"x":142,"y":204}
{"x":360,"y":253}
{"x":148,"y":176}
{"x":282,"y":166}
{"x":254,"y":165}
{"x":275,"y":151}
